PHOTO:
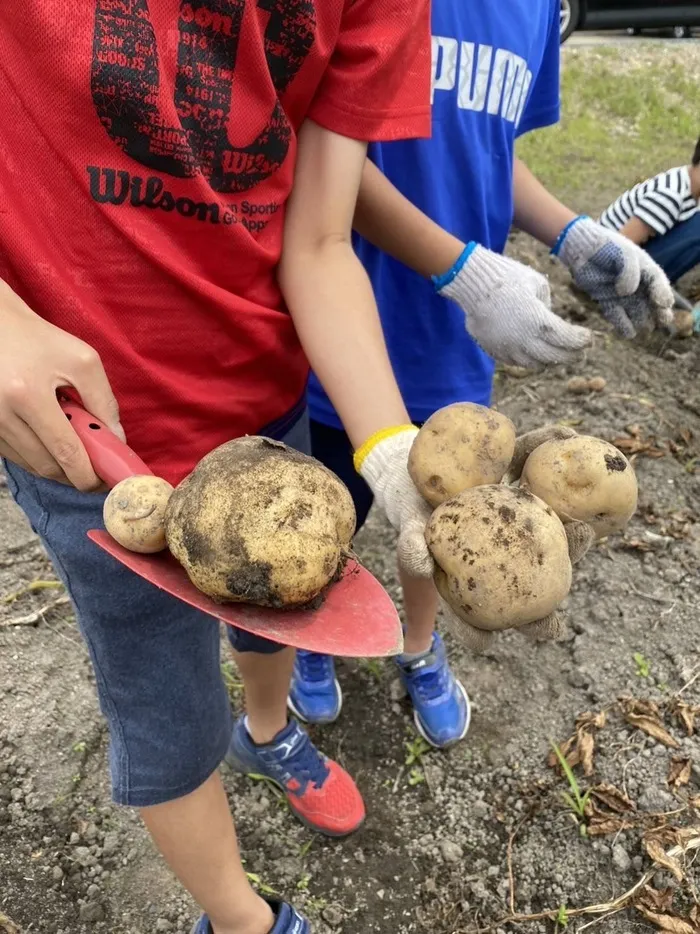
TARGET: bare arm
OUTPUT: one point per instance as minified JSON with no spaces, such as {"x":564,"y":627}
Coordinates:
{"x":327,"y":290}
{"x":536,"y":211}
{"x":637,"y":231}
{"x":389,"y":221}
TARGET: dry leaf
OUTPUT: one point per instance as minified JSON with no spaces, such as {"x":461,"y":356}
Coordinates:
{"x":613,"y":798}
{"x":586,"y":747}
{"x":661,"y":858}
{"x":652,"y":727}
{"x":579,"y":748}
{"x":603,"y":826}
{"x":695,"y":802}
{"x":679,"y":772}
{"x":646,"y":447}
{"x":600,"y":823}
{"x":668,"y":924}
{"x":686,"y":713}
{"x":568,"y":750}
{"x":655,"y":900}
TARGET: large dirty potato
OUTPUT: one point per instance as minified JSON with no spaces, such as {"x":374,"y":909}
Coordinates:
{"x":460,"y":447}
{"x":134,"y":513}
{"x":257,"y":522}
{"x":501,"y":556}
{"x":583,"y":478}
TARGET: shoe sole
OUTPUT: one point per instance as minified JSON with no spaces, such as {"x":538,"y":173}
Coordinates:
{"x":324,"y":720}
{"x":457,"y":739}
{"x":237,"y":766}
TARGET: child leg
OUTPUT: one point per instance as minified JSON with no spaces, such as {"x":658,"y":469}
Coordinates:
{"x":440,"y":702}
{"x":678,"y":251}
{"x":158,"y":678}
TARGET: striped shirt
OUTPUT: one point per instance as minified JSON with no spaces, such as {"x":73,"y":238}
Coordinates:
{"x":661,"y":202}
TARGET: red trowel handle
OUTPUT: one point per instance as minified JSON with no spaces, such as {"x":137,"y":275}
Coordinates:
{"x":111,"y":459}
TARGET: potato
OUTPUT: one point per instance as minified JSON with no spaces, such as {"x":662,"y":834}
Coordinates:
{"x":134,"y":513}
{"x":501,"y":556}
{"x":460,"y":447}
{"x":257,"y":522}
{"x":583,"y":478}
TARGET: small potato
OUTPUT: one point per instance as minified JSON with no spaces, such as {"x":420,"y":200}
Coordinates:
{"x":685,"y":323}
{"x":583,"y":478}
{"x":501,"y":556}
{"x":134,"y":513}
{"x":460,"y":447}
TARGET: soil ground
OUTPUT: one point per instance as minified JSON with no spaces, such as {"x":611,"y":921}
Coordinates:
{"x":454,"y":842}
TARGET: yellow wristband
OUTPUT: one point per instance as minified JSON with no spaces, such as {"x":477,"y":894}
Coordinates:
{"x":361,"y":454}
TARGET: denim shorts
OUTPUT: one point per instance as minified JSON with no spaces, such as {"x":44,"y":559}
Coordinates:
{"x":156,"y":659}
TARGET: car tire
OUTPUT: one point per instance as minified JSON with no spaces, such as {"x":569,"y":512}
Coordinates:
{"x":681,"y":32}
{"x":569,"y":18}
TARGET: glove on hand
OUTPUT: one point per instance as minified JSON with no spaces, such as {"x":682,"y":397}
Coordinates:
{"x":383,"y":462}
{"x":633,"y":292}
{"x":508,"y":310}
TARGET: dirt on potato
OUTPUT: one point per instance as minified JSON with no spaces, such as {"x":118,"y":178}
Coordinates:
{"x":456,"y":842}
{"x":258,"y":522}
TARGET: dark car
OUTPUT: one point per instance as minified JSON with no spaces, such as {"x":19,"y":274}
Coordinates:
{"x":628,"y":14}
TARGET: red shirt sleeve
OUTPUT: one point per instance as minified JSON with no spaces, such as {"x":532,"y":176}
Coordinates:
{"x":377,"y":84}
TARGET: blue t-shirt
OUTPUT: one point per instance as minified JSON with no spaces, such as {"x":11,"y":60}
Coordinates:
{"x":495,"y":77}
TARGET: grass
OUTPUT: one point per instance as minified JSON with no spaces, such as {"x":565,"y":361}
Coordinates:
{"x":416,"y":748}
{"x":643,"y":665}
{"x":623,"y":118}
{"x":575,"y":798}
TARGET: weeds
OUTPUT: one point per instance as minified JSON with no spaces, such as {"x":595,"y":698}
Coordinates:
{"x":374,"y":666}
{"x":415,"y":750}
{"x":261,"y":886}
{"x":575,"y":799}
{"x":643,"y":666}
{"x":234,"y":685}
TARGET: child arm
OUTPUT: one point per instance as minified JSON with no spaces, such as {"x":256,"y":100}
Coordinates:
{"x":632,"y":291}
{"x":393,"y":224}
{"x":331,"y":302}
{"x":327,"y":289}
{"x":637,"y":231}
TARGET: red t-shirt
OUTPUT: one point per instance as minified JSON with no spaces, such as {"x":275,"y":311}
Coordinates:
{"x":146,"y":153}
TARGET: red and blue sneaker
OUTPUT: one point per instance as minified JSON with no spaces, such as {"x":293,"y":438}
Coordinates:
{"x":315,"y":695}
{"x":321,"y":793}
{"x":287,"y":921}
{"x":441,"y":708}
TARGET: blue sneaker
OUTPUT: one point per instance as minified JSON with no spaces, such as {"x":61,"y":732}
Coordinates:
{"x":315,"y":695}
{"x":288,"y":921}
{"x":319,"y":791}
{"x":440,"y":703}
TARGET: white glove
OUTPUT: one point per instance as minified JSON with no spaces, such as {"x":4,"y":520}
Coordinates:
{"x":633,"y":292}
{"x":383,"y":462}
{"x":508,"y":310}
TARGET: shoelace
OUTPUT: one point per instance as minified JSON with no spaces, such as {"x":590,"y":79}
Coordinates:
{"x":305,"y":764}
{"x":313,"y":667}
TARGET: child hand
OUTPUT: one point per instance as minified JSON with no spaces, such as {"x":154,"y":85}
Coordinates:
{"x":633,"y":292}
{"x":508,"y":310}
{"x":383,"y":462}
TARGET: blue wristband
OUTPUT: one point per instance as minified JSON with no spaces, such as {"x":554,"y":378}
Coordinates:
{"x":441,"y":281}
{"x":562,"y":236}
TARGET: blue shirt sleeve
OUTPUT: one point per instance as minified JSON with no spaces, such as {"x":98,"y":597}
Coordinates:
{"x":543,"y":107}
